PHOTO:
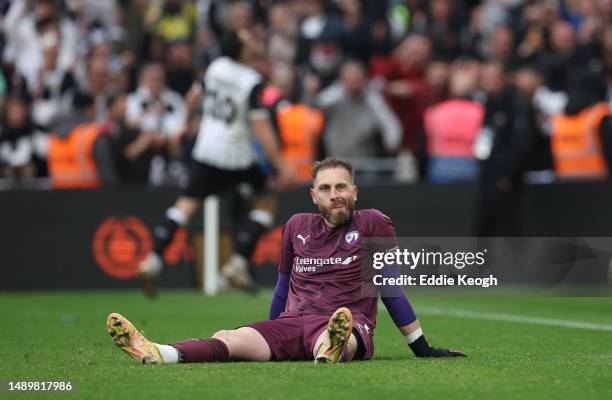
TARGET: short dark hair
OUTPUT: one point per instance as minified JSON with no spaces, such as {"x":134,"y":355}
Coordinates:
{"x":331,"y":162}
{"x":231,"y":45}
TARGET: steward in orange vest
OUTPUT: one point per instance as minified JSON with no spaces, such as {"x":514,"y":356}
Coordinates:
{"x":576,"y":143}
{"x":71,"y":161}
{"x":577,"y":134}
{"x":78,"y":152}
{"x":299,"y":128}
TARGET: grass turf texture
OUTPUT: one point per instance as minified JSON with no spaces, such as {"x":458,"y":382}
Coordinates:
{"x":62,"y":336}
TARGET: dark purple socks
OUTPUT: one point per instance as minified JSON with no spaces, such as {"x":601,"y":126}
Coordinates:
{"x":202,"y":350}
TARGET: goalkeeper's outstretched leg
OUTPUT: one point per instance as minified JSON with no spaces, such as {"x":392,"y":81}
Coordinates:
{"x":301,"y":338}
{"x":227,"y":345}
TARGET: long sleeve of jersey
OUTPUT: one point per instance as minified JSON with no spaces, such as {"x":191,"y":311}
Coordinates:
{"x":279,"y":299}
{"x":281,"y":292}
{"x":393,"y":296}
{"x":395,"y":300}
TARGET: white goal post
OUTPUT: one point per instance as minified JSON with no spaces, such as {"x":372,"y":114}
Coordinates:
{"x":210,"y":261}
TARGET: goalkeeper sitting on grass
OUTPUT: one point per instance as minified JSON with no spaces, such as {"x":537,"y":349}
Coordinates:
{"x":319,"y":310}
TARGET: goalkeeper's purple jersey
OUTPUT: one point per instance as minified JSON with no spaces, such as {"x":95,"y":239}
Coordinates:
{"x":329,"y":265}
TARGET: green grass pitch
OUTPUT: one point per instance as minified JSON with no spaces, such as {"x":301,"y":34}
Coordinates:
{"x":61,"y":336}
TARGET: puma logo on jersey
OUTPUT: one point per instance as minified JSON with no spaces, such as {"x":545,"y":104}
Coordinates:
{"x":302,"y":238}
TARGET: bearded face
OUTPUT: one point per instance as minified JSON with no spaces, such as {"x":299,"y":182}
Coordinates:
{"x":334,"y":194}
{"x":339,"y":211}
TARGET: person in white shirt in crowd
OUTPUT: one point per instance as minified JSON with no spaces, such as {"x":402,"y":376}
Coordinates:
{"x":26,"y":29}
{"x":159,"y":113}
{"x":54,"y":87}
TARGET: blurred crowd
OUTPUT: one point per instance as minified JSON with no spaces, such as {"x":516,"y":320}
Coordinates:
{"x":97,"y":93}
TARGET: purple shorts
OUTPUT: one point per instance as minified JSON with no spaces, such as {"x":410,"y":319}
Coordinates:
{"x":292,"y":337}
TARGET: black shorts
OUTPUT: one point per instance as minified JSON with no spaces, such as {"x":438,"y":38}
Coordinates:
{"x":205,"y":179}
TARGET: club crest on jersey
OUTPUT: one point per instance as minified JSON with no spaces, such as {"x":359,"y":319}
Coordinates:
{"x":352,"y":237}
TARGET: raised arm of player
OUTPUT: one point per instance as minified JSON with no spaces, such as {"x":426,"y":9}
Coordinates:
{"x":395,"y":300}
{"x":264,"y":133}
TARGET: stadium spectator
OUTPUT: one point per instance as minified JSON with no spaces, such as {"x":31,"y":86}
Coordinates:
{"x":89,"y":12}
{"x":496,"y":13}
{"x":360,"y":37}
{"x":179,"y":67}
{"x":405,"y":87}
{"x":530,"y":49}
{"x":563,"y":60}
{"x":312,"y":19}
{"x":99,"y":47}
{"x":503,"y":146}
{"x":473,"y":33}
{"x":171,"y":20}
{"x":436,"y":79}
{"x":80,"y":155}
{"x":98,"y":82}
{"x":27,"y":30}
{"x":133,"y":149}
{"x":529,"y":81}
{"x":298,"y":126}
{"x":282,"y":38}
{"x":53,"y":89}
{"x":241,"y":16}
{"x":359,"y":123}
{"x":153,"y":106}
{"x":450,"y":130}
{"x":13,"y":81}
{"x":577,"y":133}
{"x":443,"y":26}
{"x":159,"y":113}
{"x":17,"y":136}
{"x":319,"y":53}
{"x":501,"y":47}
{"x":133,"y":35}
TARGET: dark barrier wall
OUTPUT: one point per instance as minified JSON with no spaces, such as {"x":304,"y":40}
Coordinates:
{"x":79,"y":239}
{"x":93,"y":239}
{"x":569,"y":209}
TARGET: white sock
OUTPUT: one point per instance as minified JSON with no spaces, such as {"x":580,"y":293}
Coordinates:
{"x":263,"y":217}
{"x":176,"y":215}
{"x":169,"y":354}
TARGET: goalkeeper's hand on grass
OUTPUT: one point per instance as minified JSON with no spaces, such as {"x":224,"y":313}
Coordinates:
{"x":422,"y":349}
{"x":435,"y":352}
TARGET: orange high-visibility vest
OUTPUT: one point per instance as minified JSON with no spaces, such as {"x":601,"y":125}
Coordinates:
{"x":576,"y":143}
{"x":71,"y":161}
{"x":300,"y":128}
{"x":452,"y":127}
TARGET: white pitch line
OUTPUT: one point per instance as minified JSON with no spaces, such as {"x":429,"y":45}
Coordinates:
{"x":458,"y":313}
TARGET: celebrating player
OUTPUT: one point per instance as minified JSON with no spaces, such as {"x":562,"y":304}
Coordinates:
{"x":223,"y":155}
{"x":320,"y":309}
